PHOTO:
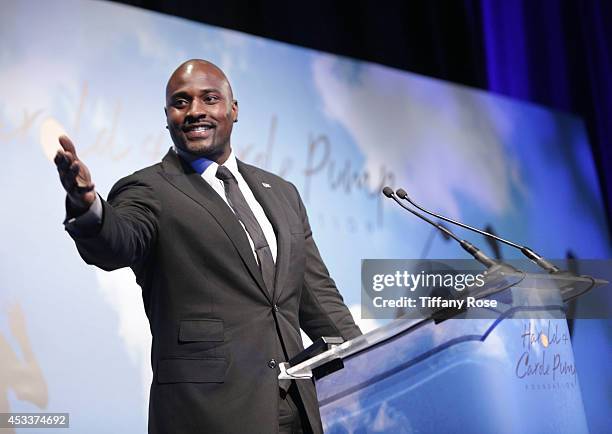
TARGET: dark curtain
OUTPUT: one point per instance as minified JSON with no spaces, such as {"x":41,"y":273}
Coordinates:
{"x":558,"y":54}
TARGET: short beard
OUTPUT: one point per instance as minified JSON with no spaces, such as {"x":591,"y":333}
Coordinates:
{"x":192,"y":150}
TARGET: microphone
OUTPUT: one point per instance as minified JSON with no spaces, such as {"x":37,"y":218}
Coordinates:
{"x":533,"y":256}
{"x":467,"y":246}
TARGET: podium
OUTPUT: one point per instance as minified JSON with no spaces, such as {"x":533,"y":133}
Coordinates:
{"x":510,"y":371}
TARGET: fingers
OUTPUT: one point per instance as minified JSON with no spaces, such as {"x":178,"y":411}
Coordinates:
{"x":63,"y":160}
{"x":67,"y":144}
{"x":68,"y":180}
{"x":74,"y":175}
{"x":67,"y":168}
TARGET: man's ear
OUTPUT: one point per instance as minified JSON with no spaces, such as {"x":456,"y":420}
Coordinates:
{"x":235,"y":110}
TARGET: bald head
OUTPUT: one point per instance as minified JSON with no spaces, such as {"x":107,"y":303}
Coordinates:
{"x":200,"y":110}
{"x":189,"y":68}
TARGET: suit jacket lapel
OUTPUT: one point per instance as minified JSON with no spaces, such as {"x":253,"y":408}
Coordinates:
{"x":274,"y":209}
{"x":184,"y":178}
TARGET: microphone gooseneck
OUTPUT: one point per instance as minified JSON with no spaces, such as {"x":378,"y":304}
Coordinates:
{"x":533,"y":256}
{"x":466,"y":245}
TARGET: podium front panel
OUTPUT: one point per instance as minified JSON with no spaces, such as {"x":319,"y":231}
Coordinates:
{"x":503,"y":375}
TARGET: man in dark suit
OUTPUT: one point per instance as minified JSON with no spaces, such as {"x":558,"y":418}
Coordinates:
{"x":228,"y":267}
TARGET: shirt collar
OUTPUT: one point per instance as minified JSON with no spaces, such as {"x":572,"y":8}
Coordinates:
{"x":208,"y":168}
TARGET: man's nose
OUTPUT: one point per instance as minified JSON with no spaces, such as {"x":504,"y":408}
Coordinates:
{"x":197,"y":109}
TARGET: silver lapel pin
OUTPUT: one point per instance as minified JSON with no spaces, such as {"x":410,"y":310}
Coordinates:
{"x":265,"y":184}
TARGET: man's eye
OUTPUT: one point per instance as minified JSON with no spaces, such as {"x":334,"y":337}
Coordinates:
{"x":180,"y":103}
{"x":211,"y":98}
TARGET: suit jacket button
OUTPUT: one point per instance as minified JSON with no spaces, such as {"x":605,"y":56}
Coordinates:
{"x":272,"y":364}
{"x":276,"y":308}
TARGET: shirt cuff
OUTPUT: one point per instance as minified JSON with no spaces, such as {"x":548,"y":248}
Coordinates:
{"x":90,"y":220}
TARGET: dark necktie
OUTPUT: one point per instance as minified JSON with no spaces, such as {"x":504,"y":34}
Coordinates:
{"x":245,"y":215}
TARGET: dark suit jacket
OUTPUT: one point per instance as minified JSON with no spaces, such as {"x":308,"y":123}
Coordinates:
{"x":218,"y":335}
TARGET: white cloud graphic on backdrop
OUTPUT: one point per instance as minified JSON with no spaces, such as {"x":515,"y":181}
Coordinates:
{"x":119,"y":289}
{"x":438,"y":140}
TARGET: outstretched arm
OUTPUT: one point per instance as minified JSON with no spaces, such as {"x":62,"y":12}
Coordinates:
{"x":125,"y":227}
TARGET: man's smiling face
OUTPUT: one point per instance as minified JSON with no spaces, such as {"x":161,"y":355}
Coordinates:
{"x":200,"y":110}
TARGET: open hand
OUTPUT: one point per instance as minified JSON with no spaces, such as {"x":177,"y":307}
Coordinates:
{"x":74,"y":176}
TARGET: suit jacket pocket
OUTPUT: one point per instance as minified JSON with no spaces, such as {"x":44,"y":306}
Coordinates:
{"x":201,"y":330}
{"x":192,"y":370}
